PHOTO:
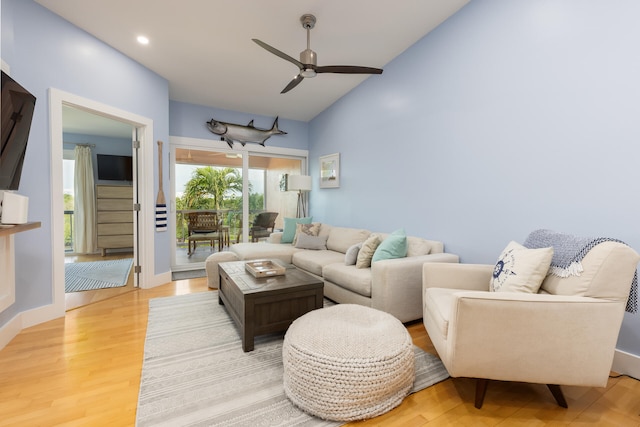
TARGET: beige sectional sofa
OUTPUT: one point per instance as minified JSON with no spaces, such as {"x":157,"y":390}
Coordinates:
{"x":390,"y":285}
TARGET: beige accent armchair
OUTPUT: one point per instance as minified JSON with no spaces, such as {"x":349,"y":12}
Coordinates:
{"x":564,"y":335}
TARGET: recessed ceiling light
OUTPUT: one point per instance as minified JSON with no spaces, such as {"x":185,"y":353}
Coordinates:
{"x":143,"y":40}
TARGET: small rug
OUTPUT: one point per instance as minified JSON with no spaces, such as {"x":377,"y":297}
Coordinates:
{"x":86,"y":276}
{"x":195,"y":373}
{"x":191,"y":274}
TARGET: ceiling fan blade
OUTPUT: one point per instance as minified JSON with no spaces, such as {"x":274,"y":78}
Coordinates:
{"x":278,"y":53}
{"x":293,"y":83}
{"x":348,"y":69}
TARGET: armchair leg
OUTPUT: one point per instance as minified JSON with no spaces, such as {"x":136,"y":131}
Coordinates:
{"x":557,"y":393}
{"x":481,"y":390}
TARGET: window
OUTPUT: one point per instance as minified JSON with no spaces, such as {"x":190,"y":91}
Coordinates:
{"x":68,"y":172}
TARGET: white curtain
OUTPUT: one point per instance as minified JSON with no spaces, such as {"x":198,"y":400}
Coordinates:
{"x":84,"y":217}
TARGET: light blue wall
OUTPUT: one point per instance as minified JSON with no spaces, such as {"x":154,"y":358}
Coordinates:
{"x":511,"y":116}
{"x":189,"y":120}
{"x":43,"y":52}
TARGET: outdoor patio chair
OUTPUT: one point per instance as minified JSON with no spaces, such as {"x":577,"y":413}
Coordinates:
{"x":204,"y":227}
{"x":263,"y":225}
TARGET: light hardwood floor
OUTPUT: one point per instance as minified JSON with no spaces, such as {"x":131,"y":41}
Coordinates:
{"x":84,"y":370}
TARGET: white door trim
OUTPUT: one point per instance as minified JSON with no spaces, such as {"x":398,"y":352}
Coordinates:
{"x":145,"y":185}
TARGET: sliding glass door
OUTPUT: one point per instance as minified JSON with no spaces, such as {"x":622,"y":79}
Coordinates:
{"x":218,"y":195}
{"x":265,"y":192}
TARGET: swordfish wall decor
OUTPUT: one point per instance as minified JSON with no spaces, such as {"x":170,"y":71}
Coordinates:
{"x":231,"y":133}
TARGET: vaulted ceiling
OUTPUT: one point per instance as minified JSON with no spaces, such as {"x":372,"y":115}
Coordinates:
{"x":204,"y":47}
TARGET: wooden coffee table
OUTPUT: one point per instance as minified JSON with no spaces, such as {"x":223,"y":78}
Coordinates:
{"x":268,"y":304}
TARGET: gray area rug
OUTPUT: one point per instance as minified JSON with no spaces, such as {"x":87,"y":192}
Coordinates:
{"x":195,"y":373}
{"x":190,"y":274}
{"x":86,"y":276}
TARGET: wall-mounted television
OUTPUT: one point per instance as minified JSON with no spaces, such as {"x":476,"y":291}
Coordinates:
{"x":17,"y":113}
{"x":115,"y":168}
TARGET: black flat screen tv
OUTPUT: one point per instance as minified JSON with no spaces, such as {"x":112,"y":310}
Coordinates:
{"x":17,"y":113}
{"x":115,"y":168}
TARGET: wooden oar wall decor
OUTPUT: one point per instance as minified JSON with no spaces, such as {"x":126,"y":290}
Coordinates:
{"x":161,"y":203}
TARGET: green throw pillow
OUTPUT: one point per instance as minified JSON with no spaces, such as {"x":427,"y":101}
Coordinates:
{"x":394,"y":246}
{"x":289,"y":231}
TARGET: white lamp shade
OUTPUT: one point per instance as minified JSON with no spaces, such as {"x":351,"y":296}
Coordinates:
{"x":299,"y":183}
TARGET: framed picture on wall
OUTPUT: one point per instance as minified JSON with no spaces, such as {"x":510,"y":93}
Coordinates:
{"x":330,"y":171}
{"x":284,"y":182}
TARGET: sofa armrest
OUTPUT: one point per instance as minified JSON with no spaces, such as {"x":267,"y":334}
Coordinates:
{"x":538,"y":338}
{"x":473,"y":277}
{"x":211,"y":266}
{"x":275,"y":237}
{"x":396,"y":284}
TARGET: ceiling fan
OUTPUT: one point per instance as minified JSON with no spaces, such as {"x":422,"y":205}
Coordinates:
{"x":308,"y":59}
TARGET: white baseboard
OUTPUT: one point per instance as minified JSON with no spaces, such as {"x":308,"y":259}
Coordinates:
{"x":42,"y":314}
{"x":157,"y":280}
{"x":626,"y":363}
{"x":45,"y":313}
{"x":10,"y":330}
{"x":27,"y":319}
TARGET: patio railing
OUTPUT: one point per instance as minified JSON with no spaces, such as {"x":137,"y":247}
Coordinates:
{"x":68,"y":231}
{"x":230,"y":218}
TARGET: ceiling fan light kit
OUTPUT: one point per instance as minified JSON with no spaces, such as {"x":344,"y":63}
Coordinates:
{"x":308,"y":59}
{"x":308,"y":73}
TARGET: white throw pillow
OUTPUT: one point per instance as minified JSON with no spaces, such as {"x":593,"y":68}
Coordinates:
{"x":519,"y":269}
{"x":351,"y":256}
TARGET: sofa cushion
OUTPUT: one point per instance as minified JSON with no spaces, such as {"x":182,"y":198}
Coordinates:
{"x":342,"y":238}
{"x":305,"y":241}
{"x":289,"y":231}
{"x":519,"y":269}
{"x":349,"y":277}
{"x":367,"y":250}
{"x":325,"y":229}
{"x":248,"y":251}
{"x":417,"y":246}
{"x":313,"y":261}
{"x":393,"y":246}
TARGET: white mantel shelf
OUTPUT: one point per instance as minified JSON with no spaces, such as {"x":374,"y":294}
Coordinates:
{"x":6,"y":230}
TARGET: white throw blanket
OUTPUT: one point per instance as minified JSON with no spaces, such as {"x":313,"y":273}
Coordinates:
{"x":568,"y":252}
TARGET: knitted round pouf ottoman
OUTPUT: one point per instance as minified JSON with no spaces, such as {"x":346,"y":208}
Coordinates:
{"x":347,"y":362}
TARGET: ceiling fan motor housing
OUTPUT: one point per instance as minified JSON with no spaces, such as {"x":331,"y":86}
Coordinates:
{"x":308,"y":57}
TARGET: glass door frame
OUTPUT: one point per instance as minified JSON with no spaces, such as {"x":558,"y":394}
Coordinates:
{"x":176,"y":142}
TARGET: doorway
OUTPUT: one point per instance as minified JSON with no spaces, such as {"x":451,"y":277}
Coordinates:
{"x":142,"y":131}
{"x":98,"y":238}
